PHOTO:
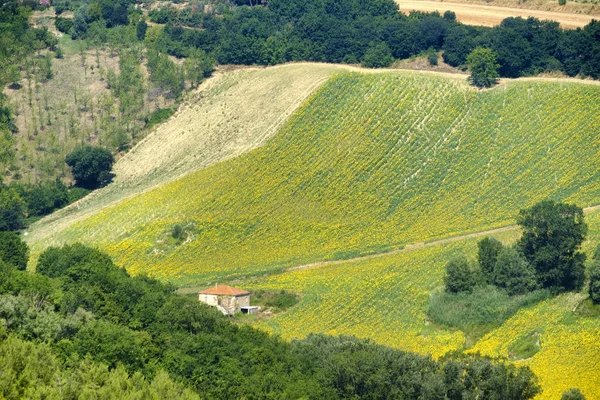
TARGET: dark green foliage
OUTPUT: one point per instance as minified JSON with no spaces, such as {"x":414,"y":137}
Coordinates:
{"x":573,"y":393}
{"x":483,"y":65}
{"x":552,"y":236}
{"x":13,"y":250}
{"x":487,"y":254}
{"x":378,"y":56}
{"x":513,"y":273}
{"x":91,"y":166}
{"x":142,"y":325}
{"x":177,"y":231}
{"x":480,"y":311}
{"x":594,"y":274}
{"x":12,"y":210}
{"x":357,"y":368}
{"x":64,"y":24}
{"x":141,"y":29}
{"x":42,"y":199}
{"x":461,"y":275}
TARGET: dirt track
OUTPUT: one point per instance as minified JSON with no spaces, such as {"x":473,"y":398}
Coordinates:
{"x":476,"y":14}
{"x":420,"y":245}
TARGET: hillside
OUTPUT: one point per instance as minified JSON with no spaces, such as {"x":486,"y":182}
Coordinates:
{"x":371,"y":162}
{"x":386,"y":299}
{"x":218,"y":121}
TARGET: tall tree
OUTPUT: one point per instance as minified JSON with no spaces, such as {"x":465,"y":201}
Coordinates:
{"x":13,"y":250}
{"x":552,"y":237}
{"x":484,"y":67}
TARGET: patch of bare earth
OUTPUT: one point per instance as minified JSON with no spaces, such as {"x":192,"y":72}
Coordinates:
{"x":487,"y":15}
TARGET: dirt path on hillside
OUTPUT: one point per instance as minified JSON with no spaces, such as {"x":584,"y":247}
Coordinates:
{"x":420,"y":245}
{"x":477,"y":14}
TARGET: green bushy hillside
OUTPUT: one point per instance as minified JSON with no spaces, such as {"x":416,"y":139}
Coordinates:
{"x":371,"y":162}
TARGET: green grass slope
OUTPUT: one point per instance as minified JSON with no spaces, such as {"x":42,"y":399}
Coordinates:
{"x":369,"y":163}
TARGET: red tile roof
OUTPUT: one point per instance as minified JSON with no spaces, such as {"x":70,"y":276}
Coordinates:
{"x":224,"y":290}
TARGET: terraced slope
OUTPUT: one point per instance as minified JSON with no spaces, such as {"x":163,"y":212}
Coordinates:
{"x":370,"y":162}
{"x":386,"y":299}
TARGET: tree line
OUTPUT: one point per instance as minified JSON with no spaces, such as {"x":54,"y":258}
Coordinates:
{"x":80,"y":324}
{"x":374,"y":33}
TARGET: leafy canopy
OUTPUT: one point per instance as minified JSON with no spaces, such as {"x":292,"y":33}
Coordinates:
{"x":552,"y":237}
{"x":484,"y":67}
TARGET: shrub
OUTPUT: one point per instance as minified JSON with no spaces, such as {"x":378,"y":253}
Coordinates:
{"x":573,"y":393}
{"x":461,"y":275}
{"x":513,"y":273}
{"x":432,"y":58}
{"x":177,"y":232}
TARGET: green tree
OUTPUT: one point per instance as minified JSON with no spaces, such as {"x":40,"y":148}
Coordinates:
{"x":91,"y":166}
{"x":552,"y":237}
{"x":141,"y":29}
{"x":513,"y":273}
{"x":572,"y":394}
{"x":461,"y":275}
{"x":594,"y":274}
{"x":484,"y":67}
{"x":12,"y":210}
{"x":487,"y":254}
{"x":378,"y":56}
{"x":13,"y":250}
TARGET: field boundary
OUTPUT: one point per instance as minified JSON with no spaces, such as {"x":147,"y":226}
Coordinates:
{"x":416,"y":246}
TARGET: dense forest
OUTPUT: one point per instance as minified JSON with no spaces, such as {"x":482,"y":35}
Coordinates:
{"x":370,"y":32}
{"x":83,"y":326}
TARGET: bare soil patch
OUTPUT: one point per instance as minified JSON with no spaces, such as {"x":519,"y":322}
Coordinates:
{"x":486,"y":15}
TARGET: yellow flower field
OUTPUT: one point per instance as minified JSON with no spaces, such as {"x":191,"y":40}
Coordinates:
{"x":385,"y":299}
{"x":369,"y":163}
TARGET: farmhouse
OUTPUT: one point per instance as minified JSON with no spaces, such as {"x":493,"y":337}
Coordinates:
{"x":227,"y":299}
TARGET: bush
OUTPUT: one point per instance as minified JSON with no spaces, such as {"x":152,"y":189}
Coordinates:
{"x":13,"y":250}
{"x":573,"y":393}
{"x":513,"y":273}
{"x":378,"y":56}
{"x":177,"y":232}
{"x":432,"y":58}
{"x":91,"y":166}
{"x":461,"y":275}
{"x":562,"y":2}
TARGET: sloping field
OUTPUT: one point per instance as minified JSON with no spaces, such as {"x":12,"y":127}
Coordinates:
{"x":486,"y":15}
{"x":386,"y":299}
{"x":370,"y":163}
{"x":230,"y":114}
